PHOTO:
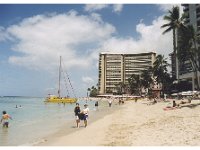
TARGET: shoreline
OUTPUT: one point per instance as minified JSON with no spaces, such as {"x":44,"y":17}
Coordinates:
{"x":70,"y":127}
{"x":137,"y":124}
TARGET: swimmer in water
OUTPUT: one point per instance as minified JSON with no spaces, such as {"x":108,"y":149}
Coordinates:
{"x":5,"y":118}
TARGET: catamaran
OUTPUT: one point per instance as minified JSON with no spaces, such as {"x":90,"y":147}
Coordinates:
{"x":59,"y":99}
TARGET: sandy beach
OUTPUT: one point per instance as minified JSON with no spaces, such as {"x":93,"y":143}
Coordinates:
{"x":137,"y":124}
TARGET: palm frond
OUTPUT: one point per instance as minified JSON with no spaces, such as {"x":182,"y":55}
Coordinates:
{"x":166,"y":25}
{"x":168,"y":18}
{"x":167,"y":30}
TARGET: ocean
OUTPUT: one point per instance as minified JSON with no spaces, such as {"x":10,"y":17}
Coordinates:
{"x":34,"y":119}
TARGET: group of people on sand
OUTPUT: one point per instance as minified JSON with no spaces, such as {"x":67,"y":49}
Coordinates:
{"x":81,"y":115}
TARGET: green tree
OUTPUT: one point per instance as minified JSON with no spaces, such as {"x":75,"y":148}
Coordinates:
{"x":135,"y":84}
{"x":160,"y":71}
{"x":146,"y":78}
{"x":121,"y":88}
{"x":93,"y":91}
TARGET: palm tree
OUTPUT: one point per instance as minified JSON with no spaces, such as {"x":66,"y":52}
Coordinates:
{"x":160,"y":67}
{"x":174,"y":23}
{"x":146,"y":78}
{"x":160,"y":70}
{"x":135,"y":84}
{"x":93,"y":92}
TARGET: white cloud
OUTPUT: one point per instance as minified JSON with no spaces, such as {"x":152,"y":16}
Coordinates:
{"x":3,"y":34}
{"x":42,"y":39}
{"x":166,"y":7}
{"x":87,"y":80}
{"x":117,"y":8}
{"x":95,"y":7}
{"x":151,"y":39}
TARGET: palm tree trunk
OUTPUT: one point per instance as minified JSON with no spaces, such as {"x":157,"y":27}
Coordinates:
{"x":175,"y":53}
{"x":196,"y":65}
{"x":195,"y":70}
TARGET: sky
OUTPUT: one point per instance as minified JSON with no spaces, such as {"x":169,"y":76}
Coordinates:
{"x":34,"y":36}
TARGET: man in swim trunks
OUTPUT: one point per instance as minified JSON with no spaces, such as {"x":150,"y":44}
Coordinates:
{"x":5,"y":118}
{"x":85,"y":111}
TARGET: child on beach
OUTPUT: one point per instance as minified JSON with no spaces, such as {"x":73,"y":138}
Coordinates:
{"x":77,"y":112}
{"x":5,"y":118}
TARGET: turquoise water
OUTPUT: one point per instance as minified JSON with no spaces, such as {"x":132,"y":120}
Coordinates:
{"x":34,"y":119}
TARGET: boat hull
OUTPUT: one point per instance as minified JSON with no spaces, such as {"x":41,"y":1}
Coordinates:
{"x":61,"y":100}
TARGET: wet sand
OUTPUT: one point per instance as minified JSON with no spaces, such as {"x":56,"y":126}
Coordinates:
{"x":137,"y":124}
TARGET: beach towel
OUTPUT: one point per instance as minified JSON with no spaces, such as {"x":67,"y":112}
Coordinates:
{"x":169,"y":108}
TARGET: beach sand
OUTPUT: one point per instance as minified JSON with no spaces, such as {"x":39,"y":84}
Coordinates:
{"x":137,"y":124}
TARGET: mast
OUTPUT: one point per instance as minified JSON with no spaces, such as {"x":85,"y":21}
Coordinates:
{"x":59,"y":78}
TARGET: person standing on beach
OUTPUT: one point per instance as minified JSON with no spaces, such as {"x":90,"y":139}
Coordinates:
{"x":96,"y":105}
{"x":85,"y":111}
{"x":5,"y":118}
{"x":77,"y":111}
{"x":110,"y":102}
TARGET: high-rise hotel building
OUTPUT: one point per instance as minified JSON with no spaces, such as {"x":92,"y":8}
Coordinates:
{"x":115,"y":68}
{"x":192,"y":12}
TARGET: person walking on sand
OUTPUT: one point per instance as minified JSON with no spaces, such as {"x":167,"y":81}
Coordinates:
{"x":77,"y":111}
{"x":5,"y":118}
{"x":110,"y":102}
{"x":96,"y":105}
{"x":85,"y":111}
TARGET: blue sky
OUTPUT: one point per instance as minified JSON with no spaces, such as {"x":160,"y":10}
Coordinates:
{"x":33,"y":36}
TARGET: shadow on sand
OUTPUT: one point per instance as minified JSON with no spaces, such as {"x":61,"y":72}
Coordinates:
{"x":190,"y":105}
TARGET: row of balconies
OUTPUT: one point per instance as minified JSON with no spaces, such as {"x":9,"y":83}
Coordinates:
{"x":132,"y":65}
{"x":113,"y":76}
{"x":110,"y":86}
{"x":136,"y":68}
{"x":137,"y":57}
{"x":113,"y":61}
{"x":113,"y":65}
{"x":113,"y":69}
{"x":113,"y":79}
{"x":138,"y":61}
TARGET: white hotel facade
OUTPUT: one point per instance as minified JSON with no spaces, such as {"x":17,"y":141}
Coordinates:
{"x":115,"y":68}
